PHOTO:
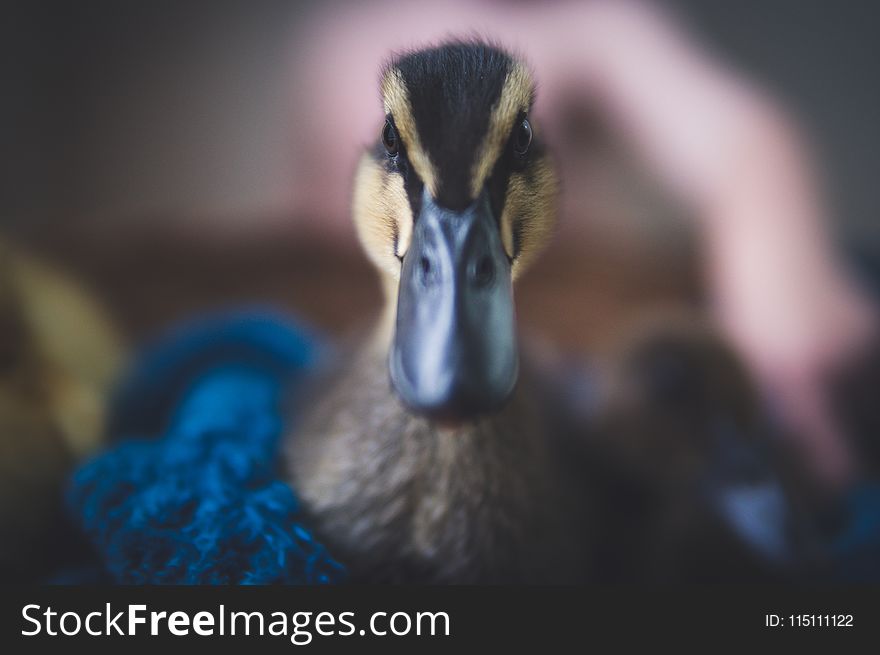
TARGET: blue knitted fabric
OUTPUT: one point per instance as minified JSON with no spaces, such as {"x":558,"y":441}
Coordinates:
{"x":200,"y":501}
{"x":856,"y":549}
{"x":190,"y":494}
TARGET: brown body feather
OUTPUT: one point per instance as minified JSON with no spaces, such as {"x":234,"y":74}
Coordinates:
{"x":400,"y":499}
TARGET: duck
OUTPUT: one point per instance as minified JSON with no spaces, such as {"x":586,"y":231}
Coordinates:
{"x":436,"y":449}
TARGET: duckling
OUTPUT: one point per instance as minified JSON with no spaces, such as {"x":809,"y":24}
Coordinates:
{"x":427,"y":457}
{"x":439,"y":451}
{"x":59,"y":356}
{"x":692,"y":484}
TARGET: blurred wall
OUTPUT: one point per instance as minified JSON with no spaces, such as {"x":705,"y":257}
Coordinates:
{"x":161,"y":110}
{"x":148,"y":110}
{"x":823,"y":60}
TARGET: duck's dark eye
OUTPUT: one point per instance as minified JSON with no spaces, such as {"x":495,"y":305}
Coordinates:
{"x":523,"y":138}
{"x":389,"y":138}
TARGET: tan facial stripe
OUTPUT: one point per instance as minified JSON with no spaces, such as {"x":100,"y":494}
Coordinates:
{"x":396,"y":101}
{"x":399,"y":203}
{"x":512,"y":208}
{"x":507,"y":220}
{"x":516,"y":95}
{"x":530,"y":207}
{"x":381,"y":209}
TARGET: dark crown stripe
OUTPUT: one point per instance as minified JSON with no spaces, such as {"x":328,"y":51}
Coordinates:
{"x":452,"y":89}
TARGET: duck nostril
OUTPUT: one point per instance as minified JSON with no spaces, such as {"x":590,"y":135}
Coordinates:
{"x":426,"y":270}
{"x":483,"y":271}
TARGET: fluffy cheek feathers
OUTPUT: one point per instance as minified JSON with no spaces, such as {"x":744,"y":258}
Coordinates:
{"x":529,"y":215}
{"x":384,"y":220}
{"x":382,"y":215}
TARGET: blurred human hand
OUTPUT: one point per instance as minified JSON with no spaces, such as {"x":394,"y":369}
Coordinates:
{"x":719,"y":145}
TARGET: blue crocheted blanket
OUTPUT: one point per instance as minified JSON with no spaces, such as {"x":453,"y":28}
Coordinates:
{"x":192,"y":494}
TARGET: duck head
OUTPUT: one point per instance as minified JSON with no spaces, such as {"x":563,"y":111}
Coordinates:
{"x":452,"y":201}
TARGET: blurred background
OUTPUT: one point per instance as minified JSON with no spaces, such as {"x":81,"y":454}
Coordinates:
{"x":151,"y":145}
{"x":181,"y":157}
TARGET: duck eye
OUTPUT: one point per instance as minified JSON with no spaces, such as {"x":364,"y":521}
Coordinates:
{"x":389,"y":138}
{"x":523,"y":138}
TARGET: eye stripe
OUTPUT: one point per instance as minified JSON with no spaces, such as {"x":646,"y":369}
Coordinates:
{"x":396,"y":100}
{"x":515,"y":99}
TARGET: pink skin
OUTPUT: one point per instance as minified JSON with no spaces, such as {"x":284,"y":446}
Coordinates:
{"x":720,"y":146}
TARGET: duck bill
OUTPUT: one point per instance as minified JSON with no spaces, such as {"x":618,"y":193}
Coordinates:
{"x":454,"y":355}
